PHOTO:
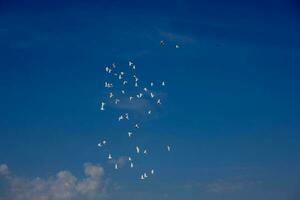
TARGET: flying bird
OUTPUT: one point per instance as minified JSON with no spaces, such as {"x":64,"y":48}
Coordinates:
{"x":102,"y":106}
{"x":169,"y":148}
{"x":152,"y":171}
{"x":137,"y":149}
{"x":129,"y":134}
{"x":117,"y":101}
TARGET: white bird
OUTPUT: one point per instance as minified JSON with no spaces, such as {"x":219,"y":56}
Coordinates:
{"x":162,"y":43}
{"x":109,"y":157}
{"x":114,"y":65}
{"x":176,"y":46}
{"x":111,"y":95}
{"x":137,"y":149}
{"x":124,"y":82}
{"x":163,"y":83}
{"x":136,"y":84}
{"x":116,"y":166}
{"x":127,"y":116}
{"x":130,"y":98}
{"x":136,"y":79}
{"x":129,"y":158}
{"x":102,"y":106}
{"x":133,"y":66}
{"x":168,"y":147}
{"x":152,"y":171}
{"x":136,"y":126}
{"x":152,"y":95}
{"x":130,"y":63}
{"x":145,"y":89}
{"x":104,"y":142}
{"x":145,"y":151}
{"x":149,"y":112}
{"x":131,"y":165}
{"x":139,"y":95}
{"x":108,"y":85}
{"x":123,"y":91}
{"x":120,"y":77}
{"x":122,"y":73}
{"x":142,"y":177}
{"x":120,"y":117}
{"x":107,"y":69}
{"x":151,"y":84}
{"x":145,"y":175}
{"x":129,"y":134}
{"x":115,"y":74}
{"x":117,"y":101}
{"x":158,"y":101}
{"x":99,"y":144}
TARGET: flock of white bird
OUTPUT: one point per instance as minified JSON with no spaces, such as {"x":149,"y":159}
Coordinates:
{"x":128,"y":80}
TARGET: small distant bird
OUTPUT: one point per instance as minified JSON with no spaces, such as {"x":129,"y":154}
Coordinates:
{"x":122,"y":73}
{"x":117,"y":101}
{"x":130,"y":98}
{"x":142,"y":177}
{"x":131,"y":165}
{"x":116,"y":166}
{"x":145,"y":175}
{"x":152,"y":95}
{"x":152,"y":171}
{"x":137,"y":149}
{"x":120,"y":117}
{"x":163,"y":83}
{"x":136,"y":84}
{"x":127,"y":116}
{"x":123,"y":91}
{"x":145,"y":89}
{"x":129,"y":158}
{"x":169,"y":148}
{"x":158,"y":101}
{"x":136,"y":126}
{"x":177,"y":46}
{"x":99,"y":144}
{"x":139,"y":95}
{"x":114,"y":65}
{"x":124,"y":82}
{"x":107,"y":69}
{"x":130,"y":63}
{"x":149,"y":112}
{"x":151,"y":84}
{"x":111,"y":95}
{"x":104,"y":142}
{"x":135,"y":78}
{"x":109,"y":157}
{"x":145,"y":151}
{"x":129,"y":134}
{"x":108,"y":85}
{"x":162,"y":43}
{"x":102,"y":106}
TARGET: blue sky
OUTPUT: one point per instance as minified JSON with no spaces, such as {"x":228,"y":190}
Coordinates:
{"x":232,"y":100}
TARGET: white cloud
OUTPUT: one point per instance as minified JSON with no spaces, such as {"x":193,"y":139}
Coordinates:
{"x":63,"y":186}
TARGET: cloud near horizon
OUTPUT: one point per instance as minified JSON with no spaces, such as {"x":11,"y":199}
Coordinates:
{"x":63,"y":186}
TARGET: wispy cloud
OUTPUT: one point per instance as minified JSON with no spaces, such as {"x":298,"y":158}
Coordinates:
{"x":63,"y":186}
